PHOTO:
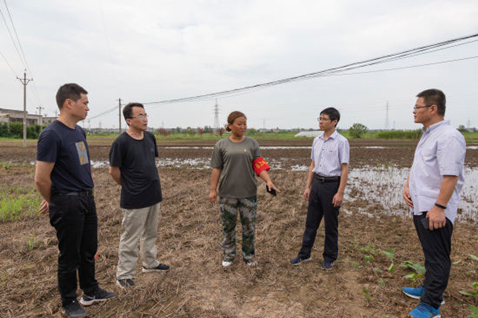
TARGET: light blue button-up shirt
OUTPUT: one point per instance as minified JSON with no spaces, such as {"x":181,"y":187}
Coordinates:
{"x":329,"y":154}
{"x":441,"y":151}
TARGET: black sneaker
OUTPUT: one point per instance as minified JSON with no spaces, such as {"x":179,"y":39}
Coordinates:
{"x":73,"y":310}
{"x":99,"y":295}
{"x":124,"y":283}
{"x":327,"y":265}
{"x":159,"y":268}
{"x":227,"y":261}
{"x":297,"y":260}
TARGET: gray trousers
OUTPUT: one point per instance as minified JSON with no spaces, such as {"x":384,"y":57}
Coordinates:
{"x":139,"y":225}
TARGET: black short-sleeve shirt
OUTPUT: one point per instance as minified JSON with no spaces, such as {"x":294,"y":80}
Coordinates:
{"x":68,"y":149}
{"x":140,"y":182}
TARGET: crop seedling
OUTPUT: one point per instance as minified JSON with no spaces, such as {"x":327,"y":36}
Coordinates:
{"x":417,"y":267}
{"x":31,"y":243}
{"x":368,"y":298}
{"x":390,"y":254}
{"x":473,"y":293}
{"x":473,"y":257}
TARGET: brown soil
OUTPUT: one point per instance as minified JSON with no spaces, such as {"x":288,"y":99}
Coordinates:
{"x":189,"y":240}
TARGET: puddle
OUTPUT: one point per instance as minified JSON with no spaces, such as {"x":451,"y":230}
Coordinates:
{"x":383,"y":187}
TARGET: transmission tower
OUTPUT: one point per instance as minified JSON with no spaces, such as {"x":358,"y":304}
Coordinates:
{"x":216,"y":116}
{"x":387,"y":124}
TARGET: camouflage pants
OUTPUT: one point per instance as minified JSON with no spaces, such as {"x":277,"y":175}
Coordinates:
{"x":247,"y":208}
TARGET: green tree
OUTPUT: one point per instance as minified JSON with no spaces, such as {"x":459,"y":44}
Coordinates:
{"x":357,"y":130}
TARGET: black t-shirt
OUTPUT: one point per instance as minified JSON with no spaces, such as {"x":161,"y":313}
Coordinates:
{"x":139,"y":175}
{"x":68,"y":149}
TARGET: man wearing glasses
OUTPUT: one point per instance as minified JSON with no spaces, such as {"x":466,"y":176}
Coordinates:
{"x":133,"y":166}
{"x":327,"y":178}
{"x":433,"y":190}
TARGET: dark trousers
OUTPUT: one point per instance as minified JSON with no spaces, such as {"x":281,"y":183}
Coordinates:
{"x":74,"y":218}
{"x":436,"y":247}
{"x":320,"y":205}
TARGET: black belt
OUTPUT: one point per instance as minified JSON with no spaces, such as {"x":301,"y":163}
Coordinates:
{"x":86,"y":193}
{"x":326,"y":179}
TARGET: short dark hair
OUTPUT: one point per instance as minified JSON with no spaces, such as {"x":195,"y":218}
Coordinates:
{"x":434,"y":96}
{"x":128,"y":110}
{"x":332,"y":113}
{"x":69,"y":91}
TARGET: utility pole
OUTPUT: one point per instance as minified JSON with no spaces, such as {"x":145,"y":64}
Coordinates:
{"x":386,"y":116}
{"x":40,"y":122}
{"x":216,"y":116}
{"x":25,"y":81}
{"x":119,"y":114}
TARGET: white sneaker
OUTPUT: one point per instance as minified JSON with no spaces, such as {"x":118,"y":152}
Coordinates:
{"x":227,"y":261}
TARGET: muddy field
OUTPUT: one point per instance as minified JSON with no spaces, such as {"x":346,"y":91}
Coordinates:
{"x":190,"y":236}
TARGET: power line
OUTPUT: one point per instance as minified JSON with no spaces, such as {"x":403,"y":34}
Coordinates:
{"x":13,"y":40}
{"x":13,"y":71}
{"x":21,"y":49}
{"x":374,"y":61}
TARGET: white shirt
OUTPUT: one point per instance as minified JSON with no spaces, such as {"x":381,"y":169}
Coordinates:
{"x":441,"y":151}
{"x":329,"y":154}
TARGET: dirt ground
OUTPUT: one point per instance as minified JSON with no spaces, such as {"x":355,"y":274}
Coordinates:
{"x":190,"y":236}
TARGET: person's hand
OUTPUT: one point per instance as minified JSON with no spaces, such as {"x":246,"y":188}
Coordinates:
{"x":44,"y":207}
{"x":338,"y":199}
{"x":436,"y":217}
{"x":306,"y":194}
{"x":270,"y":186}
{"x":213,"y":196}
{"x":407,"y":197}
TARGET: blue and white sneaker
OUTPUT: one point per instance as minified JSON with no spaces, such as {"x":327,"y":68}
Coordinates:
{"x":424,"y":310}
{"x":417,"y":293}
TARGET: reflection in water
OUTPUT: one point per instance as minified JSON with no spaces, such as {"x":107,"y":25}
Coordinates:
{"x":383,"y":187}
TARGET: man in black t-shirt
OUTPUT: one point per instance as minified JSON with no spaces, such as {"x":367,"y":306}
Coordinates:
{"x":63,"y":178}
{"x":133,"y":166}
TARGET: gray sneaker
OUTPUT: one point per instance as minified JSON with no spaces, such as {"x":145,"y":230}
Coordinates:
{"x":124,"y":283}
{"x":73,"y":310}
{"x":159,"y":268}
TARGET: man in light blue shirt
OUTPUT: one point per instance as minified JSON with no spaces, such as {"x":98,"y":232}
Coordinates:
{"x":327,"y":178}
{"x":433,"y":191}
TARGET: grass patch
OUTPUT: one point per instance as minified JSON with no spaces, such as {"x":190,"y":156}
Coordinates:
{"x":16,"y":202}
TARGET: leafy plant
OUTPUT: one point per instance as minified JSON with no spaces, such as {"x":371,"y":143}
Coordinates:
{"x":473,"y":293}
{"x":419,"y":270}
{"x":474,"y":312}
{"x":391,"y":255}
{"x":368,"y":298}
{"x":473,"y":257}
{"x":31,"y":243}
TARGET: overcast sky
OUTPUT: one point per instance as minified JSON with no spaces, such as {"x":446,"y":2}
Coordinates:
{"x":147,"y":51}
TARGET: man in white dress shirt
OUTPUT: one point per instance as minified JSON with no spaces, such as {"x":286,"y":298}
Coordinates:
{"x":433,"y":191}
{"x":327,"y":178}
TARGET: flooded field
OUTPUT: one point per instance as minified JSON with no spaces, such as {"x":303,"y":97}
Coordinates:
{"x":373,"y":219}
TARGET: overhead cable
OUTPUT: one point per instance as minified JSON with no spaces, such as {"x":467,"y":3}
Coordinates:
{"x":334,"y":70}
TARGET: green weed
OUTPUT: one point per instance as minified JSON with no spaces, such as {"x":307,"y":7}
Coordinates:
{"x":473,"y":293}
{"x":474,"y":312}
{"x":419,"y":270}
{"x":473,"y":257}
{"x":16,"y":203}
{"x":391,"y":255}
{"x":31,"y":243}
{"x":366,"y":294}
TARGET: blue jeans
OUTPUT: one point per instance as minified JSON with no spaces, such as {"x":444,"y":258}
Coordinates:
{"x":75,"y":220}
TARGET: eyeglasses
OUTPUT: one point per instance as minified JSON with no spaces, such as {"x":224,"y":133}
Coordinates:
{"x":141,"y":117}
{"x":418,"y":107}
{"x":323,"y":118}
